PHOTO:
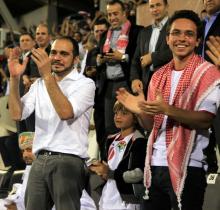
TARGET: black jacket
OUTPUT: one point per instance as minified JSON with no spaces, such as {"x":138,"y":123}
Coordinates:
{"x":134,"y":157}
{"x":161,"y":56}
{"x":130,"y":49}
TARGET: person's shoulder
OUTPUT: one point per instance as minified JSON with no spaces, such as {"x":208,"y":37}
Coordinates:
{"x":138,"y":136}
{"x":85,"y":79}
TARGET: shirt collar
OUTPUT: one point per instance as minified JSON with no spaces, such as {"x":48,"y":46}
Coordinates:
{"x":161,"y":23}
{"x":209,"y":18}
{"x":73,"y":75}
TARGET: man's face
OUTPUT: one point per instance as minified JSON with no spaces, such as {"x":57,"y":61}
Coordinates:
{"x":61,"y":54}
{"x":77,"y":37}
{"x":99,"y":30}
{"x":158,"y":9}
{"x":182,"y":38}
{"x":28,"y":156}
{"x":212,"y":6}
{"x":26,"y":43}
{"x":42,"y":36}
{"x":116,"y":16}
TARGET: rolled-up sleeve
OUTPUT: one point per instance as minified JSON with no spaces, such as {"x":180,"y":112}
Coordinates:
{"x":83,"y":98}
{"x":28,"y":101}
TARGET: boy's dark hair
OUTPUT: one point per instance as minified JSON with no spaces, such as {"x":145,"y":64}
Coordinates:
{"x":112,"y":2}
{"x":187,"y":14}
{"x":73,"y":42}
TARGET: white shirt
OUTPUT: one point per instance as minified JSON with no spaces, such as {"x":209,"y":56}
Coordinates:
{"x":52,"y":133}
{"x":210,"y":104}
{"x":19,"y":191}
{"x":155,"y":36}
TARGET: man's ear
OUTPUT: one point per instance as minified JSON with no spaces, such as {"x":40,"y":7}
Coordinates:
{"x":198,"y":42}
{"x":167,"y":39}
{"x":76,"y":60}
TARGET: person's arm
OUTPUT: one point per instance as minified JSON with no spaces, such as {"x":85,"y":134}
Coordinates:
{"x":60,"y":102}
{"x":192,"y":119}
{"x":135,"y":70}
{"x":11,"y":206}
{"x":16,"y":70}
{"x":214,"y":50}
{"x":131,"y":102}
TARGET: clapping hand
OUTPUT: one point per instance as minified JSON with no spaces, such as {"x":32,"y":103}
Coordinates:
{"x":16,"y":69}
{"x":214,"y":50}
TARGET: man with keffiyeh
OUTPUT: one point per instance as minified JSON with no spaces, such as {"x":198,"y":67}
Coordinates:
{"x":183,"y":98}
{"x":116,"y":51}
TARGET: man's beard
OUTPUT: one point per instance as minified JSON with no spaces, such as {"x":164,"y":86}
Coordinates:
{"x":67,"y":69}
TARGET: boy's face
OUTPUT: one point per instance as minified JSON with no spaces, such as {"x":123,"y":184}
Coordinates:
{"x":124,"y":119}
{"x":182,"y":38}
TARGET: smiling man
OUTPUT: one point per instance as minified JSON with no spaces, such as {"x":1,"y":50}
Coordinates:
{"x":62,"y":101}
{"x":183,"y":98}
{"x":117,"y":49}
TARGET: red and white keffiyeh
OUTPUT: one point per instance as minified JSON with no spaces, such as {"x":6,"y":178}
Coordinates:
{"x":197,"y":81}
{"x":122,"y":41}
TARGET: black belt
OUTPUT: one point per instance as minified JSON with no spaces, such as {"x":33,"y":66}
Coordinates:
{"x":49,"y":153}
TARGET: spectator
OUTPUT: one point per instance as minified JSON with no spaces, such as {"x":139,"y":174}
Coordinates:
{"x":211,"y":28}
{"x":62,"y":101}
{"x":15,"y":200}
{"x":100,"y":28}
{"x":118,"y":47}
{"x":152,"y":50}
{"x":183,"y":98}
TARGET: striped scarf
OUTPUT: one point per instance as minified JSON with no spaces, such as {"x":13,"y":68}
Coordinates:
{"x":197,"y":81}
{"x":122,"y":41}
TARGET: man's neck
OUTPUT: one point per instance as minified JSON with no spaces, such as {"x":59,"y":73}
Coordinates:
{"x":157,"y":22}
{"x":180,"y":63}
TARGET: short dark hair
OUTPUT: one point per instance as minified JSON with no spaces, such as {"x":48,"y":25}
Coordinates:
{"x":73,"y":42}
{"x":102,"y":21}
{"x":112,"y":2}
{"x":188,"y":14}
{"x":27,"y":34}
{"x":165,"y":2}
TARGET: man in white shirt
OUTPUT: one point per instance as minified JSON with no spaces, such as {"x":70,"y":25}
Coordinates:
{"x":62,"y":101}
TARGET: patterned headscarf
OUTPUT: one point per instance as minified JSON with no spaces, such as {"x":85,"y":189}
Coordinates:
{"x":122,"y":41}
{"x":197,"y":81}
{"x":25,"y":140}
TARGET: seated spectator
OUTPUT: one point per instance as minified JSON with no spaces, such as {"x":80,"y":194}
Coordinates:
{"x":15,"y":199}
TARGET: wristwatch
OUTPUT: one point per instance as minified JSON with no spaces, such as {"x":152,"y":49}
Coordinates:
{"x":123,"y":58}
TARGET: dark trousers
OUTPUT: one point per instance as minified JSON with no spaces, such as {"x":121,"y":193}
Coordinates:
{"x":55,"y":179}
{"x":10,"y":152}
{"x":162,"y":196}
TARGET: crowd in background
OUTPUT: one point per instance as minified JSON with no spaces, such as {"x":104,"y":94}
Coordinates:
{"x":134,"y":59}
